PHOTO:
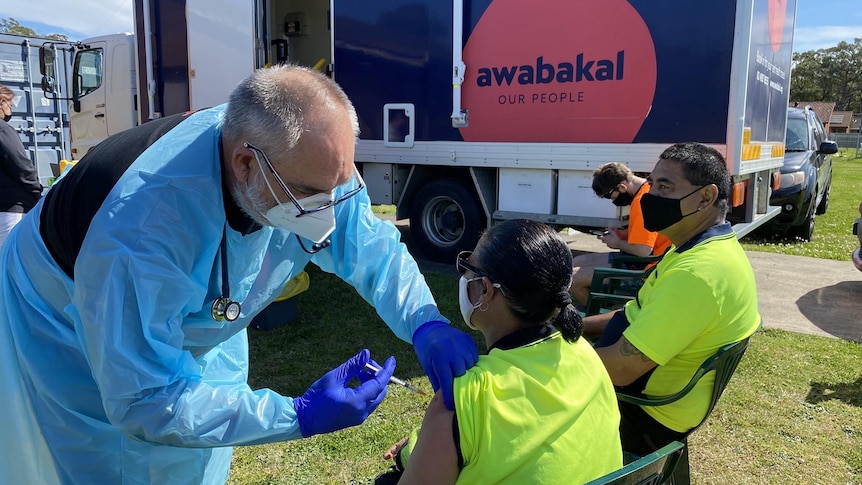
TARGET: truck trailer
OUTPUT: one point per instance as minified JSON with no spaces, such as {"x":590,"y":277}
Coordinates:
{"x":477,"y":111}
{"x":41,"y":120}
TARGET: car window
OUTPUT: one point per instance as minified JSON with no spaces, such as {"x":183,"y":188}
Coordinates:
{"x":797,"y":134}
{"x":821,"y":132}
{"x":88,"y":65}
{"x":816,"y":129}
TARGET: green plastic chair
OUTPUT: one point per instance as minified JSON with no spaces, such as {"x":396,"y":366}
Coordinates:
{"x":611,"y":288}
{"x":620,"y":260}
{"x":653,"y":469}
{"x":723,"y":363}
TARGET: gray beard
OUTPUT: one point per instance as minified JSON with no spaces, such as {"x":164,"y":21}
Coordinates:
{"x":253,"y":207}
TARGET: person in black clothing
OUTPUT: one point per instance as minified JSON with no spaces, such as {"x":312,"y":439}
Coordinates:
{"x":19,"y":183}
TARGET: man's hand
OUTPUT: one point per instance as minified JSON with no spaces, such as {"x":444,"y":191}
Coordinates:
{"x":614,"y":237}
{"x":445,"y":353}
{"x":621,"y":232}
{"x":329,"y":404}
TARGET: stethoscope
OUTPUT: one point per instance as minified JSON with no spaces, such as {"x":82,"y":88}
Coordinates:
{"x":223,"y":307}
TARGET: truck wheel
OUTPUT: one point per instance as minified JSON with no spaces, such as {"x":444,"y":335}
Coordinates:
{"x":445,"y":219}
{"x":824,"y":202}
{"x":805,"y":230}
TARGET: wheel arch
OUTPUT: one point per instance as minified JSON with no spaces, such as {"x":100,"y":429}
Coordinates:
{"x":447,"y":210}
{"x":482,"y":182}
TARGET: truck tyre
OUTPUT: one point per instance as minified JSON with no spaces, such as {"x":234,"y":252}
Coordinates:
{"x":824,"y":202}
{"x":445,"y":219}
{"x":805,"y":230}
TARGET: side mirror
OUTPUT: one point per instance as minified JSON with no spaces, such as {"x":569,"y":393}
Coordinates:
{"x":76,"y":100}
{"x":46,"y":67}
{"x":828,"y":147}
{"x":46,"y":60}
{"x":48,"y":84}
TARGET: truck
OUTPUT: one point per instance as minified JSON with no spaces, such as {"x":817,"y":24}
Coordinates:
{"x":477,"y":111}
{"x":42,"y":121}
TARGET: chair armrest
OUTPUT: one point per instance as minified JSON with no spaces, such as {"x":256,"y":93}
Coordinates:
{"x":651,"y":401}
{"x":595,"y":300}
{"x":730,"y":353}
{"x":597,"y":284}
{"x":621,"y":258}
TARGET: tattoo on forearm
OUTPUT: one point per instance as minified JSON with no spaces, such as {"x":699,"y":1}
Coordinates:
{"x":627,"y":349}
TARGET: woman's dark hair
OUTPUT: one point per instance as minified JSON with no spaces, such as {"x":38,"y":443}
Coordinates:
{"x":534,"y":266}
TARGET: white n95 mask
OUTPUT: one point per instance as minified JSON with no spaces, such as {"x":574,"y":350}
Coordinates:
{"x":467,"y":307}
{"x":314,"y":226}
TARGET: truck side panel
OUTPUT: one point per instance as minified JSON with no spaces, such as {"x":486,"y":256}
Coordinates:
{"x":558,"y":71}
{"x":392,"y":51}
{"x":768,"y":84}
{"x":41,"y":120}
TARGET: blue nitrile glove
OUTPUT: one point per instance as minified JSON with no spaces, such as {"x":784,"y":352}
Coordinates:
{"x":329,"y":404}
{"x":445,"y":353}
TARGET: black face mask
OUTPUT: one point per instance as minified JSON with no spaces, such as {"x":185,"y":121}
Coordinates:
{"x":660,"y":212}
{"x":7,"y":118}
{"x":623,"y":199}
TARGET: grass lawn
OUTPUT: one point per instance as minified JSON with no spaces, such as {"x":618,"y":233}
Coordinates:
{"x":832,"y":238}
{"x":791,"y":414}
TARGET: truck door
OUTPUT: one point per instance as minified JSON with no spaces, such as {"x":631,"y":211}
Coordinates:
{"x":221,"y":42}
{"x":89,"y":88}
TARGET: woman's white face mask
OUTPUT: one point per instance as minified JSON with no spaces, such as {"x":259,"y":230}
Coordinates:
{"x":467,"y":307}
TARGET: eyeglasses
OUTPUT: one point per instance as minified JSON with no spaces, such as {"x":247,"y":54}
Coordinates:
{"x":608,"y":194}
{"x":463,"y":266}
{"x":303,"y":210}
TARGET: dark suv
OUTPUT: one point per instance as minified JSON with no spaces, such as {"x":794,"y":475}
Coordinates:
{"x":806,"y":176}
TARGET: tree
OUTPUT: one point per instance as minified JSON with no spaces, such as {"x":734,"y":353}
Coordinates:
{"x":832,"y":74}
{"x":12,"y":26}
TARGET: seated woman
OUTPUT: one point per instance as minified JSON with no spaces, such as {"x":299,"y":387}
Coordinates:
{"x":539,"y":407}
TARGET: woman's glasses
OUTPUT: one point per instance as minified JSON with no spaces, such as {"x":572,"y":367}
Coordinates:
{"x":463,"y":266}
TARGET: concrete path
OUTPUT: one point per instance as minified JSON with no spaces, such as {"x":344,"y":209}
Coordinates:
{"x":795,"y":293}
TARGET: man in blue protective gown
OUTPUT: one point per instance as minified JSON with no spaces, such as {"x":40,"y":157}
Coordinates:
{"x":126,"y":292}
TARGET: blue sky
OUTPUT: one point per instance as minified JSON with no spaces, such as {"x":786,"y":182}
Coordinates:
{"x":819,"y":23}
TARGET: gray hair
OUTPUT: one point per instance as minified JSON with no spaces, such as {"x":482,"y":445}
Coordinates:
{"x":269,"y":108}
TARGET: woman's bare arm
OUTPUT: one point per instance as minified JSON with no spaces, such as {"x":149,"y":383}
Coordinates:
{"x":434,"y":459}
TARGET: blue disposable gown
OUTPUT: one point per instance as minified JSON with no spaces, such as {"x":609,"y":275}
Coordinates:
{"x":123,"y":376}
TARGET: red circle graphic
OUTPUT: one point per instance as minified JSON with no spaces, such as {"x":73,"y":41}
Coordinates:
{"x":558,"y":71}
